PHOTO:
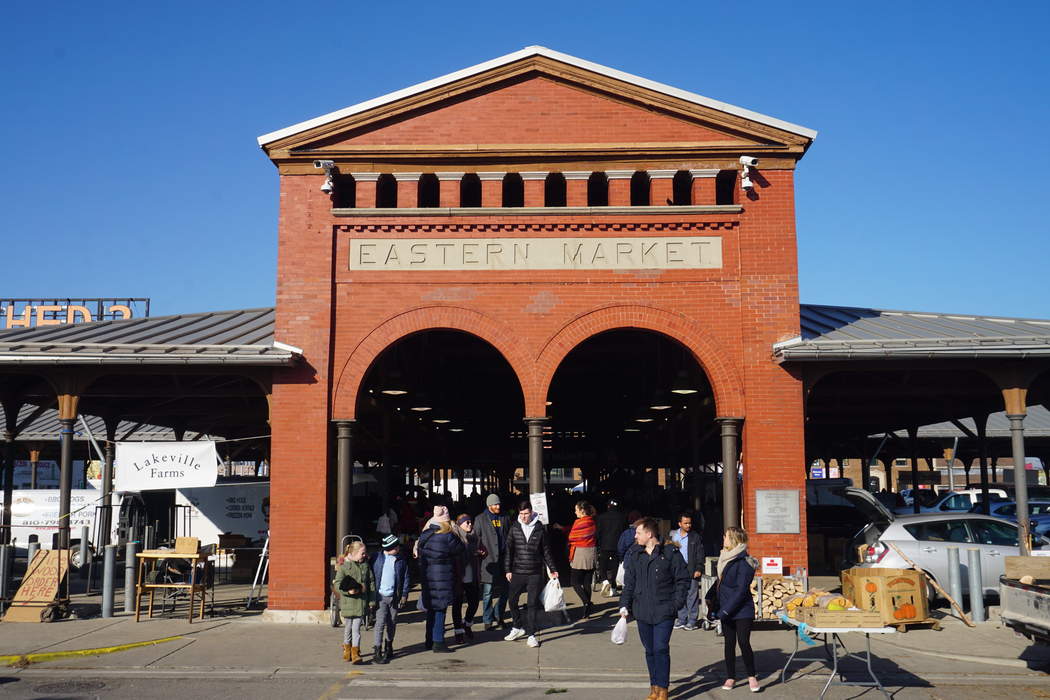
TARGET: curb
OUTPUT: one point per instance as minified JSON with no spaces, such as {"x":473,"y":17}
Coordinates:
{"x":989,"y":660}
{"x":26,"y":659}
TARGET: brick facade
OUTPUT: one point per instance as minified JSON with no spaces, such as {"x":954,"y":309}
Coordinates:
{"x":342,"y":319}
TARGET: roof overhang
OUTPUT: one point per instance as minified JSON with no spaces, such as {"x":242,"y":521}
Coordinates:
{"x":525,"y":53}
{"x":277,"y":354}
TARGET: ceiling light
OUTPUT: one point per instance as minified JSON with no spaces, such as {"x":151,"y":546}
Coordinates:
{"x":660,"y":406}
{"x":631,"y":430}
{"x":441,"y":420}
{"x":455,"y":430}
{"x":683,"y":385}
{"x":394,"y":392}
{"x":394,"y":384}
{"x":549,"y":403}
{"x":643,"y":420}
{"x":422,"y":408}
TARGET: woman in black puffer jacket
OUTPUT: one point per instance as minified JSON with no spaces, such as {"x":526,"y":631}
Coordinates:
{"x":440,"y":562}
{"x":736,"y":607}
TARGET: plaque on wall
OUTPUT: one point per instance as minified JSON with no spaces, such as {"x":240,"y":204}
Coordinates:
{"x":776,"y":511}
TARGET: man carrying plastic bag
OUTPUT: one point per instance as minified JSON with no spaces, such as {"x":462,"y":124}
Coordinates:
{"x":528,"y":553}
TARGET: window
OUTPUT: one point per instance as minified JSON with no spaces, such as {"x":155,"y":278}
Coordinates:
{"x":682,"y":188}
{"x":993,"y":532}
{"x":470,"y":190}
{"x":939,"y":531}
{"x":725,"y":187}
{"x":1008,"y":510}
{"x":428,"y":191}
{"x":640,"y":189}
{"x":1039,"y":508}
{"x":513,"y":190}
{"x":345,"y":192}
{"x":959,"y":501}
{"x":597,"y":190}
{"x":554,"y":190}
{"x":386,"y":191}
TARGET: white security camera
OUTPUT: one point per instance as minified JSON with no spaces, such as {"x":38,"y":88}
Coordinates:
{"x":329,"y":164}
{"x":327,"y":186}
{"x":744,"y":160}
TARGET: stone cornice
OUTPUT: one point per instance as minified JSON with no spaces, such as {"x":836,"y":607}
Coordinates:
{"x":540,"y":211}
{"x":549,"y":226}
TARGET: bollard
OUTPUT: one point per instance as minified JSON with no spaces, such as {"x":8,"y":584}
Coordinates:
{"x":5,"y":570}
{"x":109,"y":563}
{"x":973,"y":560}
{"x":129,"y":576}
{"x":954,"y":575}
{"x":34,"y":547}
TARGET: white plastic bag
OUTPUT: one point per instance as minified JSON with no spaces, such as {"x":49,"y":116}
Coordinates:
{"x":619,"y":633}
{"x":553,"y":598}
{"x":619,"y":576}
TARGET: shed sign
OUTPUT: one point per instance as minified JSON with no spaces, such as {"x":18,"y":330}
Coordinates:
{"x":149,"y":466}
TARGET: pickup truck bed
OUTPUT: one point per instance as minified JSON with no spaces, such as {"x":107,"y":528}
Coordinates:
{"x":1025,"y":608}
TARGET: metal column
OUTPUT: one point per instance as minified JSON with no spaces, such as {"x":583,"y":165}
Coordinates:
{"x":9,"y":483}
{"x":344,"y":490}
{"x":730,"y":452}
{"x":535,"y":454}
{"x":65,"y":480}
{"x":106,"y":526}
{"x":1020,"y":482}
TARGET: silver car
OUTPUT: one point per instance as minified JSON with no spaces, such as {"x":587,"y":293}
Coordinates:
{"x":925,"y":538}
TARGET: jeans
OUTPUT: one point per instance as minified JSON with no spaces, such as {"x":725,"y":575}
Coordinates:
{"x":352,"y":631}
{"x":386,"y":617}
{"x":533,"y":584}
{"x":738,"y":631}
{"x":436,"y":625}
{"x":470,"y":596}
{"x":657,"y":642}
{"x":687,"y":615}
{"x":491,"y":610}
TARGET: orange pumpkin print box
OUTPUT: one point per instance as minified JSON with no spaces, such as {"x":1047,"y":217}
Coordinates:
{"x":899,"y":595}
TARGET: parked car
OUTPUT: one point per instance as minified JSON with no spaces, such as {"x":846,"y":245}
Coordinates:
{"x":1038,"y":513}
{"x":836,"y":514}
{"x":957,"y":501}
{"x":925,"y":538}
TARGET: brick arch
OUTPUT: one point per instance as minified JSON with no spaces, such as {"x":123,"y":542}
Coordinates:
{"x":716,"y":364}
{"x":496,"y":334}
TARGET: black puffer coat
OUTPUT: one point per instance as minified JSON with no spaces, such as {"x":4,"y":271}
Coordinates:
{"x":440,"y":567}
{"x":527,"y":557}
{"x":610,"y":524}
{"x":734,"y":589}
{"x":654,"y":585}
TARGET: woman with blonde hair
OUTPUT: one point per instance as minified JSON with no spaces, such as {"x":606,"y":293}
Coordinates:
{"x":736,"y":608}
{"x":356,"y":587}
{"x":440,"y":568}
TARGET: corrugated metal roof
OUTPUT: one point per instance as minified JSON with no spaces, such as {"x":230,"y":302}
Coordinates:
{"x":1036,"y":424}
{"x":843,"y":332}
{"x":243,"y":337}
{"x":46,"y":427}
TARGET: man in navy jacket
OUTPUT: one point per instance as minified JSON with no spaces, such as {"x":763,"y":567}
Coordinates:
{"x":392,"y":582}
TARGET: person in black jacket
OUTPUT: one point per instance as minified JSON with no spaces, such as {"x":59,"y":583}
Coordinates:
{"x":492,"y":537}
{"x":654,"y":589}
{"x":528,"y":553}
{"x":736,"y":607}
{"x":610,"y":524}
{"x":690,"y":545}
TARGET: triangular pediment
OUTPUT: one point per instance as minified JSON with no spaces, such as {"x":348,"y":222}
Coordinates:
{"x":533,"y":99}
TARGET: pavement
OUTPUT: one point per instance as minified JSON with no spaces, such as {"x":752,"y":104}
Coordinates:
{"x":303,"y":660}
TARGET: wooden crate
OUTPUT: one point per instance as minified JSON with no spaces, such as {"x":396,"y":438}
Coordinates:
{"x":819,"y":617}
{"x":899,"y":595}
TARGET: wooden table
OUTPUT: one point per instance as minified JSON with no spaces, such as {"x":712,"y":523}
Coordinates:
{"x":154,"y":556}
{"x":833,"y":650}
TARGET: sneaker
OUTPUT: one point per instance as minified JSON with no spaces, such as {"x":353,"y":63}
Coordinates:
{"x":689,"y":628}
{"x":515,"y":633}
{"x":606,"y":587}
{"x":678,"y":625}
{"x":532,"y":641}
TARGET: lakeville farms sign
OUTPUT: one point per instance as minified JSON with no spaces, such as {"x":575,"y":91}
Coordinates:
{"x":149,"y":466}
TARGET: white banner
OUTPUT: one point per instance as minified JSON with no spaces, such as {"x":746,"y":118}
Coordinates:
{"x":148,"y":466}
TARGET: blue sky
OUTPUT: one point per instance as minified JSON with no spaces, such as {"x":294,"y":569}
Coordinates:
{"x":130,"y":165}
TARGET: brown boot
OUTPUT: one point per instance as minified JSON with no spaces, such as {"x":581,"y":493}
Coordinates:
{"x":346,"y":652}
{"x":355,"y":656}
{"x":652,"y":693}
{"x":661,"y":693}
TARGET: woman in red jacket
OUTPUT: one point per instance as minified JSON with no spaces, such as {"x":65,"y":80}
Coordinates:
{"x":583,"y":553}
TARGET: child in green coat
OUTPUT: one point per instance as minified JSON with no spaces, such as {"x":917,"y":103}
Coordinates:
{"x":357,"y":592}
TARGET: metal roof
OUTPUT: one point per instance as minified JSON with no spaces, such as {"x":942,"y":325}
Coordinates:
{"x":526,"y":53}
{"x":46,"y":427}
{"x":220,"y":337}
{"x":1036,"y":424}
{"x":843,"y":332}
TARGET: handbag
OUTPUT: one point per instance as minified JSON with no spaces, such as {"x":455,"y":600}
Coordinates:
{"x":349,"y":583}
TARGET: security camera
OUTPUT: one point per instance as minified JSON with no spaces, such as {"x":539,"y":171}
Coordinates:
{"x":744,"y":160}
{"x":746,"y":184}
{"x":329,"y":164}
{"x":327,"y":186}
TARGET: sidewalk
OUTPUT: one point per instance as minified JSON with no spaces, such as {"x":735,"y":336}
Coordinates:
{"x":237,"y":643}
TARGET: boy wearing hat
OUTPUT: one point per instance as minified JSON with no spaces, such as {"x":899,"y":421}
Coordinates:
{"x":391,"y":575}
{"x":492,"y":536}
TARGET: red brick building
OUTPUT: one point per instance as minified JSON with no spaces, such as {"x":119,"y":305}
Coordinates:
{"x":533,"y":202}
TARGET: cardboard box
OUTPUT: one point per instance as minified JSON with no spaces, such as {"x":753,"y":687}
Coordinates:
{"x":819,"y":617}
{"x":899,"y":595}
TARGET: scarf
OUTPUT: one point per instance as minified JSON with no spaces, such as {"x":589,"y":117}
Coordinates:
{"x":582,"y":534}
{"x":728,"y":555}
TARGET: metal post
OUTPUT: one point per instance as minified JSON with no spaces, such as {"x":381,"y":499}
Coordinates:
{"x":85,"y":554}
{"x":32,"y":549}
{"x":107,"y":494}
{"x":9,"y":484}
{"x":34,"y":460}
{"x":147,"y":537}
{"x":344,"y":496}
{"x":129,"y":576}
{"x":109,"y":563}
{"x":913,"y":448}
{"x":1020,"y":483}
{"x":535,"y":454}
{"x":5,"y":571}
{"x":982,"y":446}
{"x":954,"y":575}
{"x":65,"y":481}
{"x":730,"y":451}
{"x":973,"y":561}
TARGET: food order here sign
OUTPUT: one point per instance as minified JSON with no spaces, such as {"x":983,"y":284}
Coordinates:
{"x":149,"y":466}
